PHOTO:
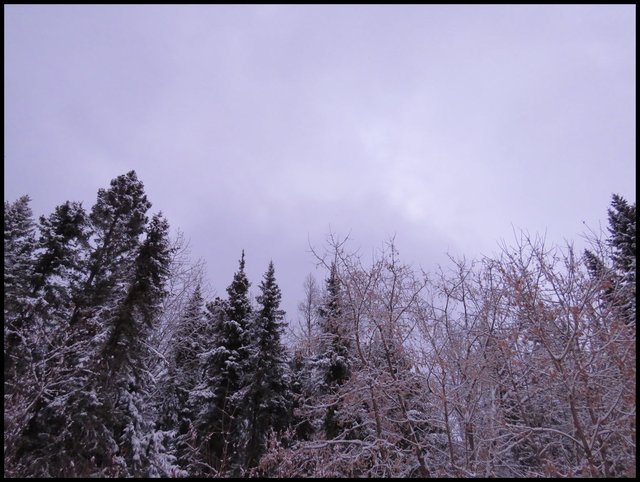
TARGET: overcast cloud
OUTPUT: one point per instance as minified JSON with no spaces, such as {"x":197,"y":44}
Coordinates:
{"x":263,"y":127}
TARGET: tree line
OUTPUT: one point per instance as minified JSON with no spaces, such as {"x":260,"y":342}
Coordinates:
{"x":117,"y":364}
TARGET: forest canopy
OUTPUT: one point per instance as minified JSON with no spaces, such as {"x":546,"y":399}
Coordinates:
{"x":116,"y":364}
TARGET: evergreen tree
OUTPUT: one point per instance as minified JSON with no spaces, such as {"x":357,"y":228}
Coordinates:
{"x":19,"y":247}
{"x":618,"y":279}
{"x":334,"y":342}
{"x":126,"y":361}
{"x":334,"y":359}
{"x":239,"y":307}
{"x":59,"y":268}
{"x":190,"y":340}
{"x":218,"y":396}
{"x":139,"y":309}
{"x":117,"y":303}
{"x":95,"y":412}
{"x":267,"y":378}
{"x":317,"y":381}
{"x":22,"y":342}
{"x":302,"y":388}
{"x":622,"y":229}
{"x":118,"y":220}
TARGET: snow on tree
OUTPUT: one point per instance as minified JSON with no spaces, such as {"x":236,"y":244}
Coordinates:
{"x":218,"y":397}
{"x":267,"y":404}
{"x":90,"y":416}
{"x":334,"y":339}
{"x":517,"y":365}
{"x":622,"y":229}
{"x":63,"y":248}
{"x":126,"y":358}
{"x":19,"y":247}
{"x":191,"y":338}
{"x":359,"y":396}
{"x":118,"y":220}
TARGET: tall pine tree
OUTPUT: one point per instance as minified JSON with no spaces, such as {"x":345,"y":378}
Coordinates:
{"x":118,"y":219}
{"x":19,"y":258}
{"x":617,"y":279}
{"x":93,"y":419}
{"x":63,"y":248}
{"x":622,"y":230}
{"x":218,"y":396}
{"x":335,"y":345}
{"x":189,"y":341}
{"x":334,"y":342}
{"x":267,"y":378}
{"x":126,"y":362}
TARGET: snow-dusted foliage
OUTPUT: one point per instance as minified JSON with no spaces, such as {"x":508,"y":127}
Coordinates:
{"x":84,"y":410}
{"x":266,"y":379}
{"x":506,"y":367}
{"x":192,"y":336}
{"x":217,"y":399}
{"x":19,"y":246}
{"x":117,"y":365}
{"x":361,"y":409}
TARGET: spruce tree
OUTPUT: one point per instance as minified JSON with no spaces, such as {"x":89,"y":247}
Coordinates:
{"x":334,"y":358}
{"x":19,"y":246}
{"x":622,"y":239}
{"x":617,"y":279}
{"x":19,"y":258}
{"x":334,"y":342}
{"x":267,"y":378}
{"x":96,"y":413}
{"x":138,"y":311}
{"x":117,"y":301}
{"x":218,"y":396}
{"x":126,"y":361}
{"x":59,"y":268}
{"x":22,"y":342}
{"x":118,"y":220}
{"x":190,"y":340}
{"x":622,"y":229}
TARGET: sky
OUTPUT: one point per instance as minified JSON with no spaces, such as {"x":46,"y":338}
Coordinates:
{"x":268,"y":127}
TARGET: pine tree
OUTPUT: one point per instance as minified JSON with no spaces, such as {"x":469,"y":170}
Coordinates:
{"x":334,"y":359}
{"x":22,"y":342}
{"x":218,"y":396}
{"x":190,"y":340}
{"x":19,"y":247}
{"x":118,"y":220}
{"x":617,"y":279}
{"x":93,"y":419}
{"x":139,"y":309}
{"x":334,"y":343}
{"x":622,"y":229}
{"x":267,"y":378}
{"x":126,"y":361}
{"x":59,"y":268}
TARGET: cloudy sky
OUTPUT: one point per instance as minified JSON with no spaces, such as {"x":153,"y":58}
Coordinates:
{"x":266,"y":127}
